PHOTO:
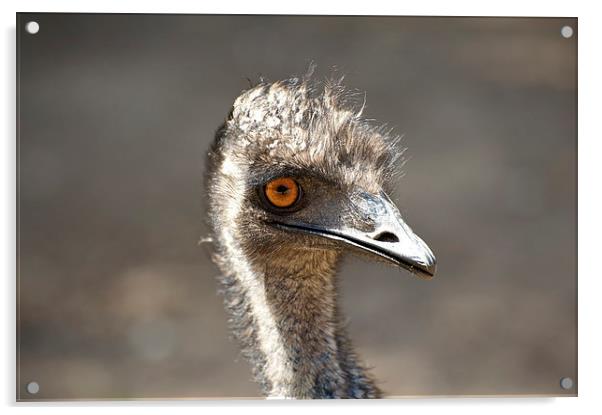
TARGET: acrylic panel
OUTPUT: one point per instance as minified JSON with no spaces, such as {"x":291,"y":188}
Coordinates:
{"x":229,"y":206}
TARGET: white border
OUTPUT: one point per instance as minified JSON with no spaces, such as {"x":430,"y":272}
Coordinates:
{"x":590,"y":206}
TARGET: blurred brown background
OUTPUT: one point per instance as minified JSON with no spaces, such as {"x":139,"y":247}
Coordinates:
{"x":116,"y":300}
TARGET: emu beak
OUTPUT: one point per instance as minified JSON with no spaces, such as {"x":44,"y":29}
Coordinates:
{"x":390,"y":238}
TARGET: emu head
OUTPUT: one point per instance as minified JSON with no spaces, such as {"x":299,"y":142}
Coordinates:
{"x":297,"y":173}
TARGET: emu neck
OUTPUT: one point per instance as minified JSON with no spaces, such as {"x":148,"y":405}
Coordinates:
{"x":299,"y":348}
{"x":301,"y":295}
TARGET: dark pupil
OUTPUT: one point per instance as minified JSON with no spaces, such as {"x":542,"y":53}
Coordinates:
{"x":282,"y":189}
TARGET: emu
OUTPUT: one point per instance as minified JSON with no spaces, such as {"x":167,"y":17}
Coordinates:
{"x":295,"y":179}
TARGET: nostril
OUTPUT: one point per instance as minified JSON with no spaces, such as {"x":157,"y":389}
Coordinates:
{"x":386,"y":237}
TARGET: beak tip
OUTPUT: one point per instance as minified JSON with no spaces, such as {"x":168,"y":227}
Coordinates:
{"x":426,"y":268}
{"x":431,"y":270}
{"x":425,"y":272}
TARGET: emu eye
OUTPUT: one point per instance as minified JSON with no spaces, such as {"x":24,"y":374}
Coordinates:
{"x":282,"y":192}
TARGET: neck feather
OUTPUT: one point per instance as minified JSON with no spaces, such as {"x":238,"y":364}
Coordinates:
{"x":284,"y":312}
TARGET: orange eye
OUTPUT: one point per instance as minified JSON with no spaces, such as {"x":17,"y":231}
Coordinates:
{"x":282,"y":192}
